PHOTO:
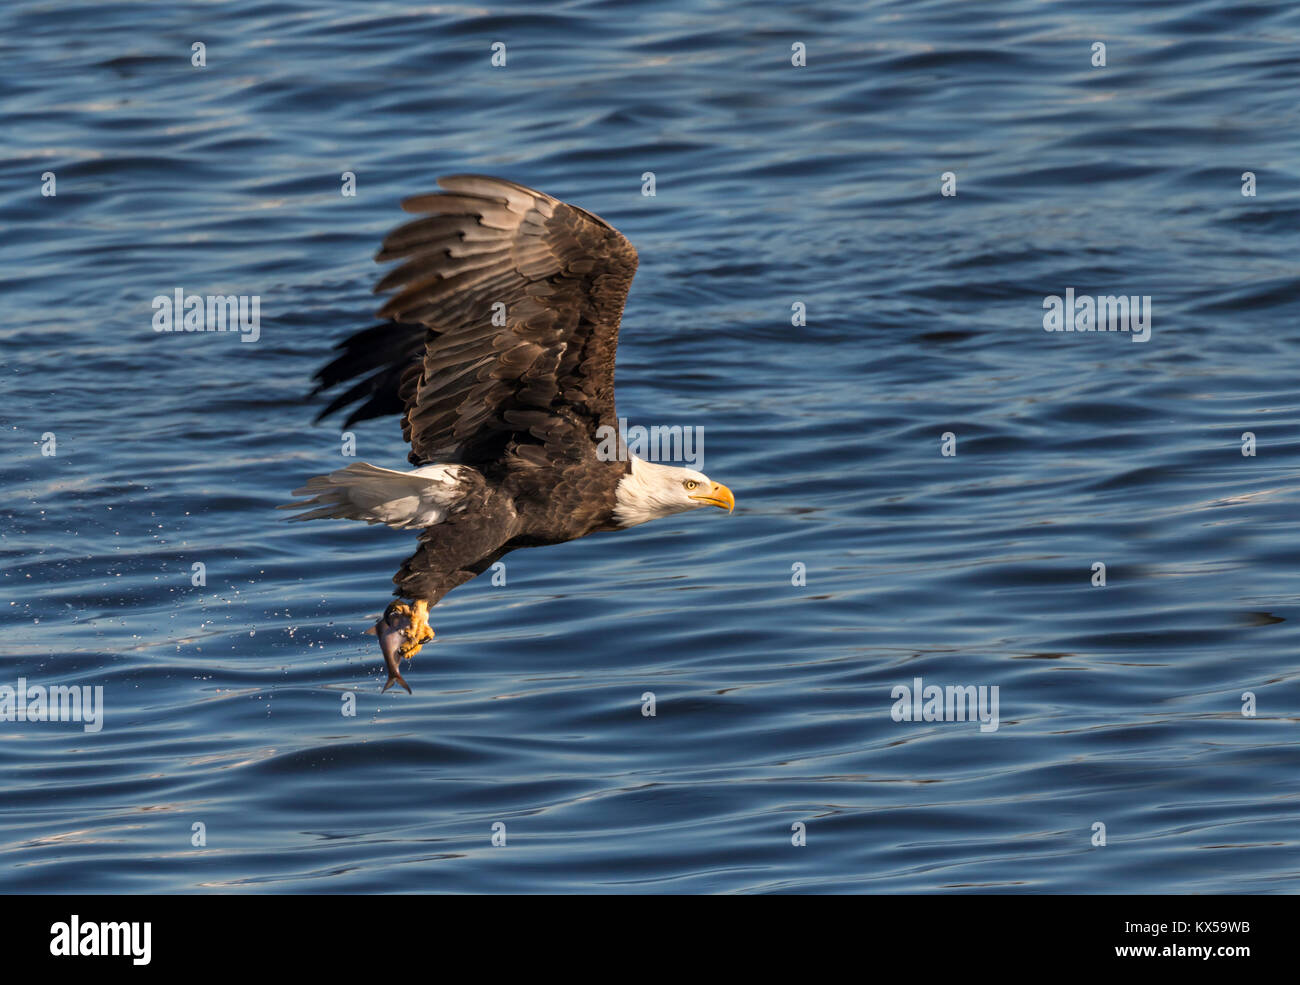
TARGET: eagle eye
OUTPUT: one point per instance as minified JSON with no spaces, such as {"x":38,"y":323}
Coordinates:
{"x":690,"y":484}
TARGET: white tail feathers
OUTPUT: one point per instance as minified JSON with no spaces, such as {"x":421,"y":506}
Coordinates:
{"x":420,"y":498}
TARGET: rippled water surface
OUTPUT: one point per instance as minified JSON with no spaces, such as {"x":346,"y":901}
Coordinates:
{"x":775,"y":184}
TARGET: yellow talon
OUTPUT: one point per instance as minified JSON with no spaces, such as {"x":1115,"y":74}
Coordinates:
{"x":418,"y":630}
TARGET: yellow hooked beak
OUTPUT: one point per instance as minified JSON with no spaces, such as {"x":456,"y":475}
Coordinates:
{"x":719,"y":496}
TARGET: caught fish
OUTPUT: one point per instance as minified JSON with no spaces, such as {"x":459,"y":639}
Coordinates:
{"x":402,"y":630}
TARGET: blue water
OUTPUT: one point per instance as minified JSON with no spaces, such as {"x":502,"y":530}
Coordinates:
{"x":775,"y":184}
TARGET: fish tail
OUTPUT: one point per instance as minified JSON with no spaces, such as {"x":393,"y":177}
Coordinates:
{"x":393,"y":675}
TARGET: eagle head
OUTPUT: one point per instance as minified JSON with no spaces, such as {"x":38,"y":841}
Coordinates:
{"x":649,"y":490}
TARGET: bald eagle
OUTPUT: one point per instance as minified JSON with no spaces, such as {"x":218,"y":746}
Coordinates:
{"x":497,"y":348}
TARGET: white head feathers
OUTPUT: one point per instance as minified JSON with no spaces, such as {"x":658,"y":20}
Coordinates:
{"x":650,"y":491}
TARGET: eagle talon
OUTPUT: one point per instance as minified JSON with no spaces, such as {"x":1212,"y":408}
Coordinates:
{"x":418,"y":630}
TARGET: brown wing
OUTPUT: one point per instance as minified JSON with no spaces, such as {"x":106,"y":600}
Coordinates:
{"x":521,"y":296}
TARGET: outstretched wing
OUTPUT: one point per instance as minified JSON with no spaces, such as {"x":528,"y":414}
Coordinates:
{"x":520,"y":297}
